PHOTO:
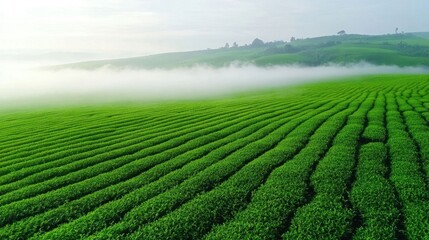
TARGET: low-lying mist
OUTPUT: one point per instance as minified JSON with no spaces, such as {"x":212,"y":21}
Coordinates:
{"x":28,"y":86}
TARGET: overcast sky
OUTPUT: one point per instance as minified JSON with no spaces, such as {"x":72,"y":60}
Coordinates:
{"x":139,"y":27}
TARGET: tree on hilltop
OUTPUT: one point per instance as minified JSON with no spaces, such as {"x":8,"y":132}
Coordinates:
{"x":342,"y":32}
{"x":257,"y":43}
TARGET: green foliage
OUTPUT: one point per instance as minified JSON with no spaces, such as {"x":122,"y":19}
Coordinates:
{"x":105,"y":215}
{"x":335,"y":160}
{"x":373,"y":195}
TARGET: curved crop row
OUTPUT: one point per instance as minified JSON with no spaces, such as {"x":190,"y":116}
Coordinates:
{"x":338,"y":160}
{"x":41,"y":147}
{"x":406,"y":174}
{"x":168,"y":125}
{"x":87,"y":159}
{"x":376,"y":131}
{"x":100,"y":123}
{"x":419,"y":130}
{"x":327,"y":215}
{"x":373,"y":195}
{"x":286,"y":188}
{"x":80,"y":206}
{"x":106,"y":215}
{"x":222,"y":202}
{"x":68,"y":133}
{"x":126,"y":168}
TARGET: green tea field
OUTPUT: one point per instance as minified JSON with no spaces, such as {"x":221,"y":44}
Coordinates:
{"x":334,"y":160}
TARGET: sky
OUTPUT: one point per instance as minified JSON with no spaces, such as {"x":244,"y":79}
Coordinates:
{"x":121,"y":28}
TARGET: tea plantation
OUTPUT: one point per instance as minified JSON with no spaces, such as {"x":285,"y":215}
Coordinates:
{"x":335,"y":160}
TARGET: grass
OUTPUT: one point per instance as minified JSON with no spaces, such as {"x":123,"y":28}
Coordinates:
{"x":333,"y":160}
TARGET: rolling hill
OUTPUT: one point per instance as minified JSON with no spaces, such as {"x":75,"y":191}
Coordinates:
{"x":395,"y":49}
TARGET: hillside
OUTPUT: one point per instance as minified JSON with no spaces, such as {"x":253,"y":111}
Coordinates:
{"x":396,"y":49}
{"x":330,"y":160}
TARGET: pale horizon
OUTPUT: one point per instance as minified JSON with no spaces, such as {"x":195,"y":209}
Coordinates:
{"x":108,"y":29}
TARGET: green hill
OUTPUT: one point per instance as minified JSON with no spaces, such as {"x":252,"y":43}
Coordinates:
{"x":422,"y":34}
{"x":395,"y":49}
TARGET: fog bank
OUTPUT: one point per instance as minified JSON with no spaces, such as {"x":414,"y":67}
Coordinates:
{"x":105,"y":85}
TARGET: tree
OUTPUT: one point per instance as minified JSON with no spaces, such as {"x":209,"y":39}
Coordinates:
{"x":342,"y":32}
{"x":235,"y":45}
{"x":226,"y":45}
{"x":396,"y":30}
{"x":289,"y":49}
{"x":257,"y":43}
{"x":292,"y":39}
